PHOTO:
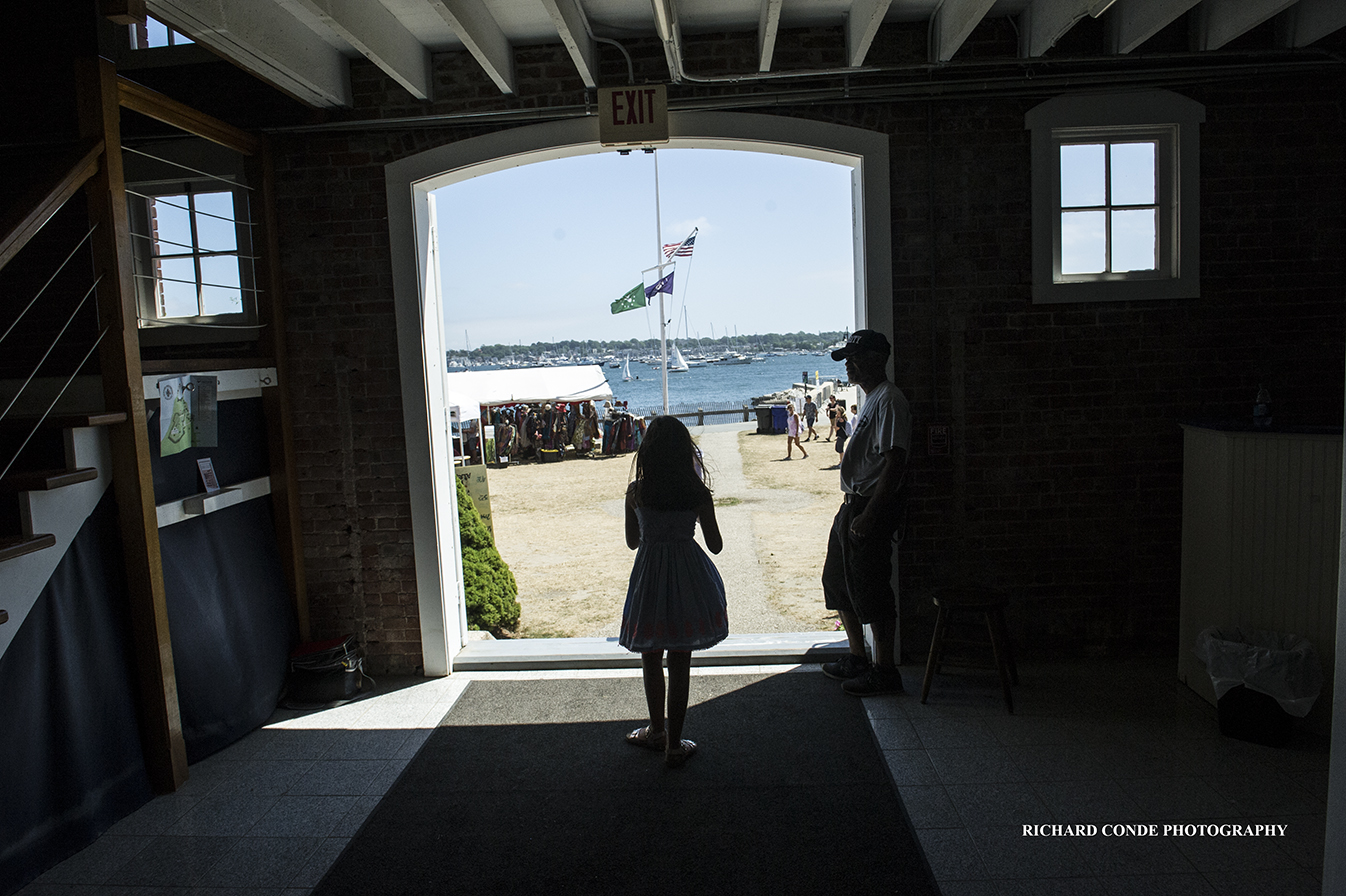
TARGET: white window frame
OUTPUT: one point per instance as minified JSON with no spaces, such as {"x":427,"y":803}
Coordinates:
{"x":155,"y":328}
{"x":1173,"y":122}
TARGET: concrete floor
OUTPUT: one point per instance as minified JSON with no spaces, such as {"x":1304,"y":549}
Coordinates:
{"x":1094,"y":743}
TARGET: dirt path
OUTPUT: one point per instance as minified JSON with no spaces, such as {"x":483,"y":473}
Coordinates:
{"x":560,"y":529}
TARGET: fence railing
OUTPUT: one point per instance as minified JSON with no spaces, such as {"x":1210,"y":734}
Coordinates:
{"x":695,"y":416}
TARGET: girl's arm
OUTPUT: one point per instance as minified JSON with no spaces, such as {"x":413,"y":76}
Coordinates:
{"x":709,"y":527}
{"x":632,"y":521}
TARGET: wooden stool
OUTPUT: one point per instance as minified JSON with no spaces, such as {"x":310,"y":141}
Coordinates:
{"x":953,"y":603}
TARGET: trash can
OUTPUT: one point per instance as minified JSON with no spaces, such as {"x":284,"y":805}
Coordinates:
{"x":1263,"y":681}
{"x":763,"y":419}
{"x":779,"y":418}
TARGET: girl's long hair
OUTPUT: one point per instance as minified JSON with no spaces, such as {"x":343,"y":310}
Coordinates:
{"x":669,"y":473}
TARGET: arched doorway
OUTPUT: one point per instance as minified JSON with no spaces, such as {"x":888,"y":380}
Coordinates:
{"x":418,"y":300}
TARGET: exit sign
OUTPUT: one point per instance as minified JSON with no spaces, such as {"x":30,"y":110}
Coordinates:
{"x":632,"y":116}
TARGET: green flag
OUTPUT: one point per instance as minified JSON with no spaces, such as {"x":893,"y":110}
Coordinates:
{"x":635,"y":298}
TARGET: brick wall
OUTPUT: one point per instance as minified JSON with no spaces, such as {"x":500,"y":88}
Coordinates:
{"x":1064,"y":479}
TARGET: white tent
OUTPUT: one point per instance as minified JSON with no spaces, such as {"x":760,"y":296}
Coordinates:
{"x":528,"y":384}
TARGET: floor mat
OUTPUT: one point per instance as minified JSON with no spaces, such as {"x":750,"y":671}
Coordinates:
{"x":528,"y":787}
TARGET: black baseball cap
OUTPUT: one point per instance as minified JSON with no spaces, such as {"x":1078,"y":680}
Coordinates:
{"x":863,"y":341}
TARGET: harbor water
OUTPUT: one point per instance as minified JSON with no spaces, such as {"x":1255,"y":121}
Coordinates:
{"x":718,"y":386}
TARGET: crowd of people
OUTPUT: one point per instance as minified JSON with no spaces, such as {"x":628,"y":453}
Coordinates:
{"x":547,"y":431}
{"x":838,"y":426}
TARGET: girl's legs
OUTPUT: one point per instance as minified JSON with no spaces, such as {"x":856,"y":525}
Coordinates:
{"x":679,"y":685}
{"x":652,"y":665}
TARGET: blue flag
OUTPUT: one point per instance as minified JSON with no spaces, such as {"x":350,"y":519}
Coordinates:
{"x":665,"y":284}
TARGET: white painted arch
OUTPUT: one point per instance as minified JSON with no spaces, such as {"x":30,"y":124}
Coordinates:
{"x":419,"y":308}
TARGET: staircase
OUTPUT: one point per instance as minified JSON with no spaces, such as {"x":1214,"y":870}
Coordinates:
{"x":54,"y":464}
{"x":29,"y":509}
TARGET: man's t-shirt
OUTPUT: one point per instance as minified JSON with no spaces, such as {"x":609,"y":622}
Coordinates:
{"x":883,"y":424}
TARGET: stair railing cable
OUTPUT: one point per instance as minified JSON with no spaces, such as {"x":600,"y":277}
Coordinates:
{"x":47,"y":412}
{"x":54,"y":275}
{"x":204,"y":253}
{"x":162,"y":201}
{"x":50,"y":348}
{"x":216,"y":177}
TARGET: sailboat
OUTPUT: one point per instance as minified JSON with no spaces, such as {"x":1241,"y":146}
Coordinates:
{"x":676,"y":362}
{"x":626,"y":371}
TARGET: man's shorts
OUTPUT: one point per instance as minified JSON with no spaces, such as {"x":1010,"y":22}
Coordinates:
{"x":857,"y":575}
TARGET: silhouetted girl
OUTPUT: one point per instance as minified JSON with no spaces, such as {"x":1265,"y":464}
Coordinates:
{"x":675,"y":601}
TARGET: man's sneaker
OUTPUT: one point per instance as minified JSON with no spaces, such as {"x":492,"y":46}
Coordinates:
{"x":846,"y":668}
{"x":873,"y":682}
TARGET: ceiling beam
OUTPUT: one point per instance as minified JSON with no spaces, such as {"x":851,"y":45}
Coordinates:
{"x":471,"y":21}
{"x":379,"y":36}
{"x":1311,"y":20}
{"x":1132,"y":22}
{"x":568,"y":17}
{"x":1220,"y":21}
{"x":862,"y":23}
{"x":768,"y":24}
{"x":261,"y":38}
{"x":954,"y":21}
{"x":1048,"y":21}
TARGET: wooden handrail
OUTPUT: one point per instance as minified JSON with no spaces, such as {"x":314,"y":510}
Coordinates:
{"x":151,"y":103}
{"x":37,"y":206}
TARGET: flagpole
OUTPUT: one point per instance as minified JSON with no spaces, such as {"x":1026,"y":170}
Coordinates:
{"x":659,"y":235}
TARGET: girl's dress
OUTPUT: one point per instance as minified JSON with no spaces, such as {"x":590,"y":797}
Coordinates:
{"x":675,"y":600}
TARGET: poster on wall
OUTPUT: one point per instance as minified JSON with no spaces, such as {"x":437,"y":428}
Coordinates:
{"x":187,"y":414}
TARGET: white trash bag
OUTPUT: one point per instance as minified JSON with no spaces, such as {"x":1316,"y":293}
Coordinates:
{"x":1283,"y":667}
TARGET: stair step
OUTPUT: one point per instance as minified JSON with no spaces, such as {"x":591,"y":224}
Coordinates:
{"x":64,"y":421}
{"x":46,"y":480}
{"x":17,"y":547}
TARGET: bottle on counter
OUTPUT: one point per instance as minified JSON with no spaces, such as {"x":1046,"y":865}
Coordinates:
{"x":1262,"y":408}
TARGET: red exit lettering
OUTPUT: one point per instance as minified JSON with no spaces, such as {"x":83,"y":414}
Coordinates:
{"x":633,"y":106}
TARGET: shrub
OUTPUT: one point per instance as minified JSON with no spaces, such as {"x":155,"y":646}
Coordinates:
{"x":491,"y":592}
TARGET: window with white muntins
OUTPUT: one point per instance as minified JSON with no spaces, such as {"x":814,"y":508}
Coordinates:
{"x":1115,"y":197}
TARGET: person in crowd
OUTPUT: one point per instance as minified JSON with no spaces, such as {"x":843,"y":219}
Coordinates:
{"x":831,"y":417}
{"x":792,"y":435}
{"x":810,"y":416}
{"x":675,"y":600}
{"x":841,"y":425}
{"x":858,"y":570}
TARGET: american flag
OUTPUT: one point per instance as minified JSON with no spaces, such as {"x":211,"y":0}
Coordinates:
{"x":683,"y":248}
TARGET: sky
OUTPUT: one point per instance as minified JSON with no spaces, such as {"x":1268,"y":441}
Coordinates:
{"x":538,"y":253}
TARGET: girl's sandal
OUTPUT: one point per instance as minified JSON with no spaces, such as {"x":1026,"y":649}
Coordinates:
{"x":650,"y":740}
{"x":674,"y":757}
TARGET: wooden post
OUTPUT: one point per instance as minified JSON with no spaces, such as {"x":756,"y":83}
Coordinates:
{"x":123,"y":390}
{"x":276,"y":400}
{"x":265,"y":246}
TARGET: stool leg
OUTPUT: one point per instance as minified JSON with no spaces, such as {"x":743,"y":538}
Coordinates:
{"x":998,"y":648}
{"x":1008,"y":644}
{"x":936,"y":647}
